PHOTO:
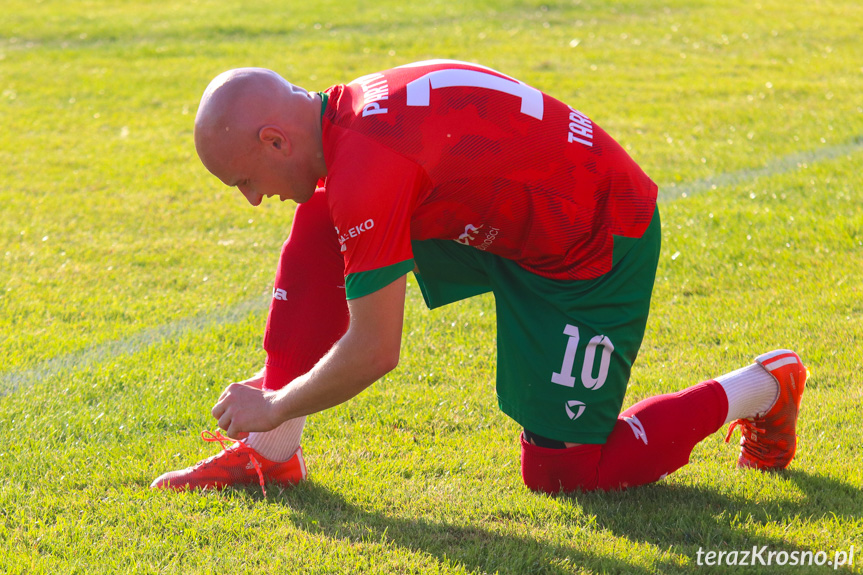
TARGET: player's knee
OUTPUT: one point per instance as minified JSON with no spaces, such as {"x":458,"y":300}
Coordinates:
{"x":554,"y":470}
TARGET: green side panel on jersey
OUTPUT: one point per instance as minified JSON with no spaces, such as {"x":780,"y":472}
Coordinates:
{"x":364,"y":283}
{"x":449,"y":271}
{"x":438,"y":293}
{"x":622,"y":245}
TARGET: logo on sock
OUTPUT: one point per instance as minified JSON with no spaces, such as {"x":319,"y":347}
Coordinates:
{"x":637,"y":428}
{"x":573,"y":415}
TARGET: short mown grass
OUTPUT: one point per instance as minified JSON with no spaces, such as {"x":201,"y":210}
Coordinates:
{"x":110,"y":229}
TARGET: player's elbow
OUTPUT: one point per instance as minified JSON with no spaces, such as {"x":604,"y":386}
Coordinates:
{"x":384,"y":360}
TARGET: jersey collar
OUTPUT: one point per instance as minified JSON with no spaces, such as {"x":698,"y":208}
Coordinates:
{"x":324,"y":99}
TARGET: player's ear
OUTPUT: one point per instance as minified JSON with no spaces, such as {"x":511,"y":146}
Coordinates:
{"x":274,"y":137}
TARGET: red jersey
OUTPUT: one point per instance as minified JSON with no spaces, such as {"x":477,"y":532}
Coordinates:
{"x":451,"y":150}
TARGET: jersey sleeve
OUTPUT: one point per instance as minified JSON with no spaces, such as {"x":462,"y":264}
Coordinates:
{"x":371,"y":201}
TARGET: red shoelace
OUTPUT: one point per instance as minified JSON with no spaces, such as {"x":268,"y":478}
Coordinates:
{"x":747,"y":427}
{"x":241,"y":448}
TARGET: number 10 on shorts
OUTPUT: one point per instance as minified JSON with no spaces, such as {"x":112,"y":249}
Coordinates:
{"x":566,"y":377}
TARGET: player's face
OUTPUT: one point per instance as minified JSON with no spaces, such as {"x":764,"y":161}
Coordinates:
{"x":256,"y":182}
{"x":258,"y":169}
{"x":258,"y":174}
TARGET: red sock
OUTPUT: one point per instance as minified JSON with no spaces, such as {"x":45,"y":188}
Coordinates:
{"x":308,"y":312}
{"x":650,"y":440}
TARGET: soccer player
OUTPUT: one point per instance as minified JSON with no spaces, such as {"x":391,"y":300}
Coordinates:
{"x":477,"y":183}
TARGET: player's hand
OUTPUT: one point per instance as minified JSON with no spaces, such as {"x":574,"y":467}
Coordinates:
{"x":256,"y":381}
{"x":244,"y":408}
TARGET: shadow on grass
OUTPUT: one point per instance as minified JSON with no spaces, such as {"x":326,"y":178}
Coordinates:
{"x":321,"y":511}
{"x":689,"y":518}
{"x":665,"y":516}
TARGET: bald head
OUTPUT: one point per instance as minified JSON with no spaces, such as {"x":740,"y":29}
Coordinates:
{"x":253,"y":115}
{"x":234,"y":107}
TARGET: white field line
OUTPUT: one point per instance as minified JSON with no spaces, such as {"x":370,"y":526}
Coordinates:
{"x":94,"y":355}
{"x":782,"y":165}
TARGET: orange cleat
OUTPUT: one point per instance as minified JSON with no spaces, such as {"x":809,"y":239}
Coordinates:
{"x":236,"y":464}
{"x":769,"y":440}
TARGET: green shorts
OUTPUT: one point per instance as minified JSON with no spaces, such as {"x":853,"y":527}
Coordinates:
{"x":565,"y":348}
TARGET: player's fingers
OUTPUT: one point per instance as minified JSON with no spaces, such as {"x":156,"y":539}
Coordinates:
{"x":232,"y":431}
{"x":221,"y":405}
{"x":225,"y":422}
{"x":226,"y":392}
{"x":218,"y":409}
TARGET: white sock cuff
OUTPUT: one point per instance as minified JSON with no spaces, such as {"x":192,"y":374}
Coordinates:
{"x":751,"y":391}
{"x":281,"y":443}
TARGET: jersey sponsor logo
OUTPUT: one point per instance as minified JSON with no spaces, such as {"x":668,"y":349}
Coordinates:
{"x":354,"y":232}
{"x":579,"y":409}
{"x":471,"y":233}
{"x":490,"y":236}
{"x":637,"y":428}
{"x":580,"y":128}
{"x":280,"y":294}
{"x":375,"y":90}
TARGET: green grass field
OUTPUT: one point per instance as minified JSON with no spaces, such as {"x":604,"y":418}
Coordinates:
{"x":133,"y":288}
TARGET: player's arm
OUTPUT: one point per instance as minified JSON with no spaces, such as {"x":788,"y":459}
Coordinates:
{"x":368,"y":351}
{"x":257,"y":380}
